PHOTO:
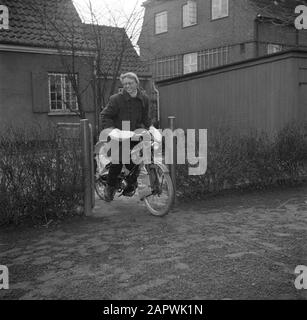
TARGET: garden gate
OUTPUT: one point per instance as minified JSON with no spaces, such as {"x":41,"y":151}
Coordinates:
{"x":82,"y":133}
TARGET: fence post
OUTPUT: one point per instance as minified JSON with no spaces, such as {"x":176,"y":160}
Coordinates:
{"x":171,"y":125}
{"x":92,"y":164}
{"x":58,"y":168}
{"x":86,"y":166}
{"x":57,"y":156}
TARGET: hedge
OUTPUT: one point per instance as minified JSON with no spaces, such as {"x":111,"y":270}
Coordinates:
{"x":40,"y":180}
{"x":253,"y":160}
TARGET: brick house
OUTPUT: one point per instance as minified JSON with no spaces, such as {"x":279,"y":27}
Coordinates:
{"x":43,"y":45}
{"x":183,"y":36}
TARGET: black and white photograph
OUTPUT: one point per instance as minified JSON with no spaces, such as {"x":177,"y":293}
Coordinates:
{"x":154,"y":151}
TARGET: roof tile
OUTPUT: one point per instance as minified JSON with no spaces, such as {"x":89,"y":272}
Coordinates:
{"x":54,"y":23}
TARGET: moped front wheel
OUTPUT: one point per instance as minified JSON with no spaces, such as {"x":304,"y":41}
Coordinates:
{"x":159,"y":203}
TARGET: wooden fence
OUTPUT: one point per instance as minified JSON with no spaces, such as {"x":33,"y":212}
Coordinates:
{"x":263,"y":94}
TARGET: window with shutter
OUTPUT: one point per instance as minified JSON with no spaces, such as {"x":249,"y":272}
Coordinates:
{"x":220,"y":8}
{"x":61,"y":94}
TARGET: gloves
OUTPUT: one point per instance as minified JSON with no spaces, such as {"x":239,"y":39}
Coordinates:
{"x":156,"y":134}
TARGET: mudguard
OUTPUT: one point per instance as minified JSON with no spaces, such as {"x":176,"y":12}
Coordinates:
{"x":163,"y":167}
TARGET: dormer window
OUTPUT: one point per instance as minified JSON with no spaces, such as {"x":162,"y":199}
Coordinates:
{"x":220,"y":9}
{"x":189,"y":13}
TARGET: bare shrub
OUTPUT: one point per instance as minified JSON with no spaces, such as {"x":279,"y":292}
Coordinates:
{"x":248,"y":161}
{"x":39,"y":179}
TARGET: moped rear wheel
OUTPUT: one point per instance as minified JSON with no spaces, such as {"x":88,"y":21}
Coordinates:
{"x":161,"y":200}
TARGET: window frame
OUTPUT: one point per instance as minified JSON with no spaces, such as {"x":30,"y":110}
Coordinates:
{"x":160,"y":14}
{"x":182,"y":16}
{"x":64,"y":108}
{"x":195,"y":64}
{"x":220,"y":17}
{"x":274,"y":45}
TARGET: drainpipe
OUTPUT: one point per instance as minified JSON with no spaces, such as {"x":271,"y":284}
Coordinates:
{"x":256,"y":36}
{"x":158,"y":102}
{"x":96,"y":113}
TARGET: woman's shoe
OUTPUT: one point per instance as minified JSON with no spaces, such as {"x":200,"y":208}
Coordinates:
{"x":109,"y":193}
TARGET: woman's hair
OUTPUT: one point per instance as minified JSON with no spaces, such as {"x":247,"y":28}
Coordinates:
{"x":130,"y":75}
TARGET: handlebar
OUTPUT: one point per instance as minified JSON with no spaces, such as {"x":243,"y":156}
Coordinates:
{"x":121,"y":135}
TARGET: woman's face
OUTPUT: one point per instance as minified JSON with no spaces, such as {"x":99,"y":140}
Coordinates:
{"x":130,"y":85}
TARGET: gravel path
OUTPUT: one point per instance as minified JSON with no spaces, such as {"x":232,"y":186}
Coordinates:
{"x":236,"y":246}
